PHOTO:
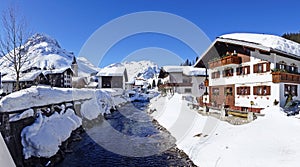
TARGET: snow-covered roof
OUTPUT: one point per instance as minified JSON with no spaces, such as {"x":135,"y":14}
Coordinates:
{"x":112,"y":71}
{"x":140,"y":82}
{"x":173,"y":68}
{"x":30,"y":76}
{"x":191,"y":71}
{"x":186,"y":70}
{"x":56,"y":71}
{"x":265,"y":40}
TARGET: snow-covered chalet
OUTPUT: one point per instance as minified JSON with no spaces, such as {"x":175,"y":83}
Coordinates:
{"x":183,"y":79}
{"x":251,"y":71}
{"x":112,"y":77}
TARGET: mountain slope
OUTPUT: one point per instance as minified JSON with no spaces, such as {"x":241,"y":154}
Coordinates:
{"x":45,"y":52}
{"x":142,"y":69}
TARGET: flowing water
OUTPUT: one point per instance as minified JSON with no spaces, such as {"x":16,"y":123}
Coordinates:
{"x":126,"y":137}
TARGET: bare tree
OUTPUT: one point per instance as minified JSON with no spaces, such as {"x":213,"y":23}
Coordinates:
{"x":11,"y":40}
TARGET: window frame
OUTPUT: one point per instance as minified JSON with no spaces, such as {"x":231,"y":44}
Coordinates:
{"x":263,"y":90}
{"x":243,"y":90}
{"x":261,"y":67}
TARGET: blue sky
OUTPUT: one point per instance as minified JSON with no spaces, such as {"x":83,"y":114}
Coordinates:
{"x":73,"y":22}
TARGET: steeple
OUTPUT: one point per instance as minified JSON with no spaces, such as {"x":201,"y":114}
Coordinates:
{"x":74,"y":67}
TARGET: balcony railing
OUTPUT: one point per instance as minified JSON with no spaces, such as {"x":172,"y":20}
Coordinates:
{"x":285,"y":77}
{"x":225,"y":61}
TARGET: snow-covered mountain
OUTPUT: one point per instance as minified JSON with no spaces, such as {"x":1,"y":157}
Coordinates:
{"x":141,"y":69}
{"x":45,"y":52}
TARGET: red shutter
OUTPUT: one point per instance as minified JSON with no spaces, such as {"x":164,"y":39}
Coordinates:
{"x":254,"y":90}
{"x":255,"y":68}
{"x":248,"y":90}
{"x":238,"y":71}
{"x":268,"y":66}
{"x":268,"y":90}
{"x":238,"y":91}
{"x":248,"y":69}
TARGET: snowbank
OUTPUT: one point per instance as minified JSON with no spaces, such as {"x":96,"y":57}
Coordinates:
{"x":25,"y":114}
{"x":272,"y":140}
{"x":46,"y":134}
{"x":43,"y":138}
{"x":44,"y":95}
{"x":5,"y":157}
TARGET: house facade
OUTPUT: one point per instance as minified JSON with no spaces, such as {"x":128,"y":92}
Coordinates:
{"x":60,"y":77}
{"x":112,"y":77}
{"x":249,"y":72}
{"x":26,"y":80}
{"x":183,"y":79}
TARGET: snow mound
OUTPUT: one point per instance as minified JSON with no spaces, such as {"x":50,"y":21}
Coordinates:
{"x":45,"y":135}
{"x":271,"y":41}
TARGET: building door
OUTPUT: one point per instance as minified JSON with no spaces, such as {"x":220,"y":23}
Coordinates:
{"x":229,"y":95}
{"x":106,"y":82}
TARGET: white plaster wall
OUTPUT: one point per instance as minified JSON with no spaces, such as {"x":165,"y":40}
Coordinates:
{"x":259,"y":101}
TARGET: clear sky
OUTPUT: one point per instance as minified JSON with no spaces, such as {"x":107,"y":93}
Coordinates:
{"x":73,"y":22}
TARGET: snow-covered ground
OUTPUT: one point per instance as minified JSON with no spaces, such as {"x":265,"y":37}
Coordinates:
{"x":5,"y":157}
{"x":272,"y":140}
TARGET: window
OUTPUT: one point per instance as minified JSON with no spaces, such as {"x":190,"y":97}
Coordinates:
{"x":291,"y":89}
{"x":243,"y":90}
{"x":215,"y":75}
{"x":243,"y":70}
{"x":281,"y":66}
{"x":215,"y":91}
{"x":228,"y":72}
{"x":228,"y":91}
{"x":262,"y":90}
{"x":261,"y":67}
{"x":293,"y":68}
{"x":188,"y":90}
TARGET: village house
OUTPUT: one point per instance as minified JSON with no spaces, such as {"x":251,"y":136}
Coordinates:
{"x":112,"y":77}
{"x":60,"y":77}
{"x":26,"y":80}
{"x":183,"y":79}
{"x":249,"y":72}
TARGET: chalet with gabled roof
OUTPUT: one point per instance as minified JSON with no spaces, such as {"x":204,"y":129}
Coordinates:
{"x":250,"y":72}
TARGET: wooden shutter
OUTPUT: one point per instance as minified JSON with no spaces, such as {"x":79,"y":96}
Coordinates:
{"x":248,"y":91}
{"x":254,"y":90}
{"x":255,"y":68}
{"x":248,"y":69}
{"x":238,"y":71}
{"x":238,"y":92}
{"x":268,"y":90}
{"x":268,"y":66}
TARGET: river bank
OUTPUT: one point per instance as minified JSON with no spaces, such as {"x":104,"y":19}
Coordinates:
{"x":89,"y":151}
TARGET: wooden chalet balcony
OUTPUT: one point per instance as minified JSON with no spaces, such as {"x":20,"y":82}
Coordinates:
{"x":225,"y":61}
{"x":285,"y":77}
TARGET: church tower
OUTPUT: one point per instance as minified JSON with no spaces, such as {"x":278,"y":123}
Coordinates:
{"x":74,"y":67}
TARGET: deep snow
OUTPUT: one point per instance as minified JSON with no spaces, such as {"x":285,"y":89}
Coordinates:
{"x":272,"y":140}
{"x":46,"y":134}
